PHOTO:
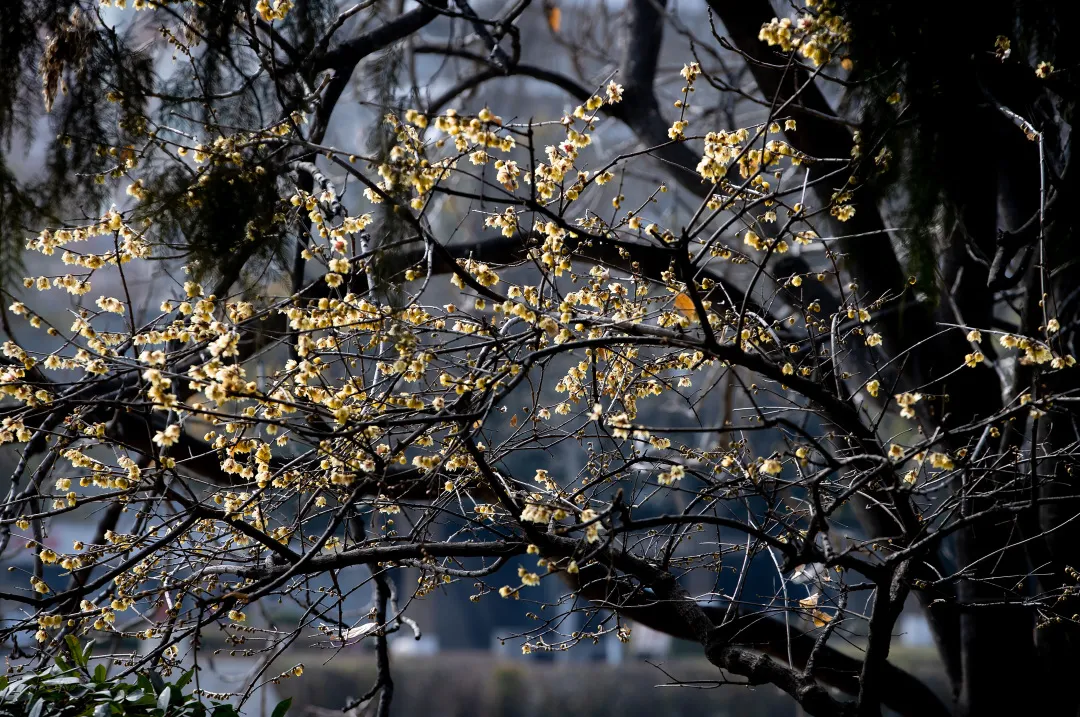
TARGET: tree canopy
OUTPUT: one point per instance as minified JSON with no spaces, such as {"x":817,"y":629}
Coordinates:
{"x":301,"y":298}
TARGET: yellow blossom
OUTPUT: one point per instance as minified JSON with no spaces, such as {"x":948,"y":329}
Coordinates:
{"x":907,"y":403}
{"x":168,"y":437}
{"x":771,"y":466}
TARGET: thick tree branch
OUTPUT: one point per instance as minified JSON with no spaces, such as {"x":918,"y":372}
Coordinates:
{"x":344,"y":57}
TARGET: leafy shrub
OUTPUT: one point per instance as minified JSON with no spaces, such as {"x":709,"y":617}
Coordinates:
{"x":81,"y":690}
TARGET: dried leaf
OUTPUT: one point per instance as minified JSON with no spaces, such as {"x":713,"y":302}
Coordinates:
{"x":554,"y":18}
{"x":360,"y":631}
{"x":685,"y":305}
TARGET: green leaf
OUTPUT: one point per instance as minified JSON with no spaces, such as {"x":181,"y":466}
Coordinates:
{"x":35,"y":711}
{"x":81,"y":658}
{"x":100,"y":674}
{"x":164,"y":698}
{"x":69,"y":680}
{"x":282,"y":707}
{"x":185,"y":679}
